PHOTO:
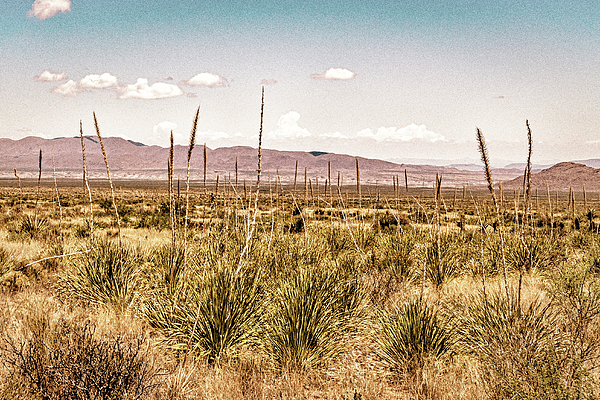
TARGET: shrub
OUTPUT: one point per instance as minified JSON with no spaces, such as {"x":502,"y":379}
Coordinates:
{"x":67,"y":360}
{"x":521,"y":354}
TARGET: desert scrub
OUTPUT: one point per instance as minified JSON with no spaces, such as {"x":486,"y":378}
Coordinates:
{"x":104,"y":275}
{"x":574,"y":290}
{"x":67,"y":360}
{"x":312,"y":314}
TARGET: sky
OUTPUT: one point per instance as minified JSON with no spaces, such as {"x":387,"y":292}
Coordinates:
{"x":398,"y":80}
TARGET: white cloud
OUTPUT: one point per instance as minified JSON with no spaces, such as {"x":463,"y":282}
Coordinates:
{"x":406,"y":134}
{"x":103,"y":81}
{"x":165,"y":126}
{"x":287,"y":127}
{"x":141,"y":90}
{"x":49,"y":76}
{"x":162,"y":134}
{"x":268,"y":82}
{"x":67,"y":89}
{"x":334,"y":135}
{"x":206,"y":79}
{"x":335,"y":74}
{"x":44,"y":9}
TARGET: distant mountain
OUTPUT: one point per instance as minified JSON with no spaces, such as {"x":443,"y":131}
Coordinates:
{"x":594,"y":163}
{"x":563,"y":176}
{"x":134,"y":160}
{"x":535,"y":168}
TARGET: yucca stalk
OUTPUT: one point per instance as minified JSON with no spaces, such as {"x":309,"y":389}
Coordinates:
{"x":20,"y":191}
{"x":406,"y":180}
{"x":329,"y":179}
{"x":87,"y":185}
{"x":295,"y":177}
{"x":527,"y":179}
{"x":305,"y":186}
{"x":236,"y":172}
{"x":490,"y":182}
{"x":37,"y":197}
{"x":216,"y":189}
{"x":501,"y":189}
{"x":187,"y":183}
{"x":204,"y":161}
{"x":258,"y":171}
{"x":526,"y":206}
{"x":170,"y":162}
{"x":550,"y":210}
{"x":57,"y":197}
{"x":112,"y":189}
{"x":438,"y":195}
{"x":19,"y":179}
{"x":358,"y":184}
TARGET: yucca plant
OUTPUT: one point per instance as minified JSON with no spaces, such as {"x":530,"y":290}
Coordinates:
{"x":393,"y":253}
{"x":104,"y":275}
{"x":166,"y":268}
{"x":412,"y":334}
{"x":33,"y":226}
{"x":537,"y":254}
{"x":5,"y":261}
{"x":442,"y":262}
{"x":215,"y":315}
{"x":313,"y":312}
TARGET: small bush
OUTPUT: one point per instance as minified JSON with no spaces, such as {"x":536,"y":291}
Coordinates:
{"x":67,"y":361}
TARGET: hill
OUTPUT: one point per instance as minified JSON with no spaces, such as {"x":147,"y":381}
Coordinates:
{"x":563,"y":176}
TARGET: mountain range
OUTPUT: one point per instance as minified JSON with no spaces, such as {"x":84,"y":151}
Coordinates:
{"x":133,"y":160}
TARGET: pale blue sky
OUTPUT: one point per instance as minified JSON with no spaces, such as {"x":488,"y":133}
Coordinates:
{"x":433,"y":70}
